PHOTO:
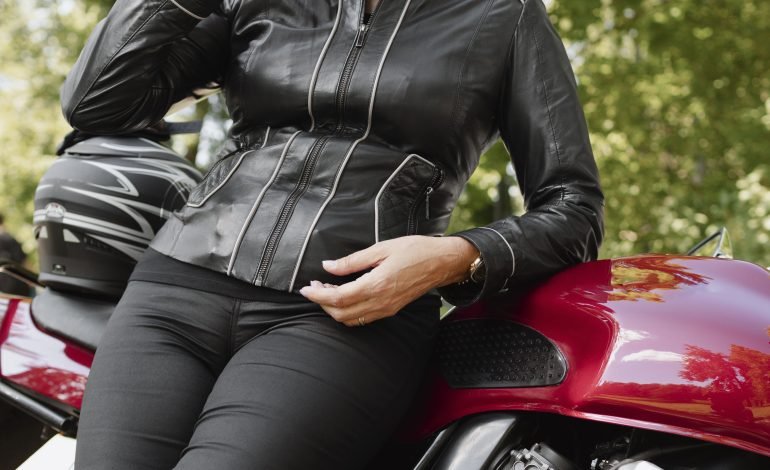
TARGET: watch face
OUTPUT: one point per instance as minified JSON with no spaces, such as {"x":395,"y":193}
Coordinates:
{"x":478,"y":271}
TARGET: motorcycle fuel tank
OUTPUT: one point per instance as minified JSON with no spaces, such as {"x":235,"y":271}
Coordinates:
{"x":36,"y":361}
{"x":667,"y":343}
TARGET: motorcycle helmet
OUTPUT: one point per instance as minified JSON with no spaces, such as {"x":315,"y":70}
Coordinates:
{"x":100,"y":204}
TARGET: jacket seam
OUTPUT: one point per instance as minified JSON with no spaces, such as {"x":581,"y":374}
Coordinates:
{"x":257,"y":202}
{"x":512,"y":40}
{"x":317,"y":69}
{"x":454,"y":116}
{"x":112,"y":57}
{"x":508,"y":74}
{"x":227,"y":177}
{"x":546,"y":97}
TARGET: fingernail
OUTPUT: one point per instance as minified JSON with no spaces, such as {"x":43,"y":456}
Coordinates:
{"x":329,"y":263}
{"x":316,"y":284}
{"x":303,"y":291}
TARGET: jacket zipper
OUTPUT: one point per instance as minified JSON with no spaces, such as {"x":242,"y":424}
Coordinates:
{"x":438,"y":177}
{"x":288,"y":209}
{"x":350,"y":64}
{"x":307,"y":170}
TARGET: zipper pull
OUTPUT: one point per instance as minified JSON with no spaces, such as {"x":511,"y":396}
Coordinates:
{"x":360,"y":35}
{"x":427,"y":202}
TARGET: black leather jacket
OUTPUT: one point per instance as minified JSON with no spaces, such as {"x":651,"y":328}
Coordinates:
{"x":346,"y":132}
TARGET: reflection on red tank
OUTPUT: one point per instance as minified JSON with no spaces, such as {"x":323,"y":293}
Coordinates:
{"x":733,"y":387}
{"x":633,"y":282}
{"x":63,"y":385}
{"x":674,"y":344}
{"x":739,"y":381}
{"x":39,"y":362}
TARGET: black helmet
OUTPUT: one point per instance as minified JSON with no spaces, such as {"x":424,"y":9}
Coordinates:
{"x":99,"y":205}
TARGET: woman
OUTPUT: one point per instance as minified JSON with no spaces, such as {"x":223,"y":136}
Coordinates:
{"x":355,"y":126}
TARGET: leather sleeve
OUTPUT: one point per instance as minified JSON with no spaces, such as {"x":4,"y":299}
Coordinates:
{"x":139,"y":60}
{"x":544,"y":129}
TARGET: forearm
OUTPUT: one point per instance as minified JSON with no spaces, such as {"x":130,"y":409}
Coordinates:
{"x":137,"y":62}
{"x":544,"y":129}
{"x":459,"y":253}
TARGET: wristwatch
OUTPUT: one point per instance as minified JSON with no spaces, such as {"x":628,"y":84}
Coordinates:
{"x":477,"y":271}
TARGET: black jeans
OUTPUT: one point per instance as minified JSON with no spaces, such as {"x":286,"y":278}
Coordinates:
{"x":194,"y":380}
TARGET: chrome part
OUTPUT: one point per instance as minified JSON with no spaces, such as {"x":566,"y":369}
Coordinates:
{"x":640,"y":465}
{"x":722,"y":246}
{"x":478,"y":442}
{"x":529,"y":459}
{"x":449,"y":311}
{"x":539,"y":457}
{"x":56,"y":419}
{"x":435,"y":447}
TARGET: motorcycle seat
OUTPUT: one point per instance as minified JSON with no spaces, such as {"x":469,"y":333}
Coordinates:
{"x":70,"y":316}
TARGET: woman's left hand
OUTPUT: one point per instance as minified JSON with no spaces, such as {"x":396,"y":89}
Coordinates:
{"x":403,"y":269}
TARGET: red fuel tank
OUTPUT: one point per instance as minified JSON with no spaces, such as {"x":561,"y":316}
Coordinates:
{"x":668,"y":343}
{"x":38,"y":362}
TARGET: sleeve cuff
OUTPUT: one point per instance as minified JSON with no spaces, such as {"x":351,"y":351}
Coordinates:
{"x":499,"y":261}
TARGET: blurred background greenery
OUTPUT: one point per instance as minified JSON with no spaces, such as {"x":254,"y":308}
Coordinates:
{"x":676,"y":93}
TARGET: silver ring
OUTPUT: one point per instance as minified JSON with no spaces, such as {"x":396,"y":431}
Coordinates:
{"x":361,"y":321}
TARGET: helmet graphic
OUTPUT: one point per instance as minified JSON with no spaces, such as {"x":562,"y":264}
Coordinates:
{"x":98,"y":207}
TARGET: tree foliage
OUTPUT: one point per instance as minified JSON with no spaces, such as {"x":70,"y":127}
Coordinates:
{"x":41,"y":40}
{"x":676,"y":93}
{"x":677,"y":97}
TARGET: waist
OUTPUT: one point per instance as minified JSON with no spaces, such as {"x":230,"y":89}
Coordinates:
{"x":159,"y":268}
{"x":269,"y":216}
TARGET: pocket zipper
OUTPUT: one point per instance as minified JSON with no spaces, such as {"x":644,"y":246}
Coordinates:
{"x":436,"y":180}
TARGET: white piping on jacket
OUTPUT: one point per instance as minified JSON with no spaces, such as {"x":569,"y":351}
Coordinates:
{"x":354,"y":145}
{"x":267,"y":135}
{"x":223,"y":182}
{"x":188,"y":11}
{"x":513,"y":258}
{"x":314,"y":77}
{"x":253,"y":210}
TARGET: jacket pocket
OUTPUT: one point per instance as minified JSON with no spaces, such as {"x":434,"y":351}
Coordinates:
{"x":215,"y":178}
{"x":404,"y":198}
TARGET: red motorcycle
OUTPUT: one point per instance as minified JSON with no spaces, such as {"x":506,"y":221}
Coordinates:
{"x":643,"y":362}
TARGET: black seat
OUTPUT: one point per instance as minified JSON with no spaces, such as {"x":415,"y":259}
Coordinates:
{"x":71,"y":316}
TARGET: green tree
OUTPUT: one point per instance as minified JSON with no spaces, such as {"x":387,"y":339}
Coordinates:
{"x":42,"y":41}
{"x":675,"y":92}
{"x":677,"y":97}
